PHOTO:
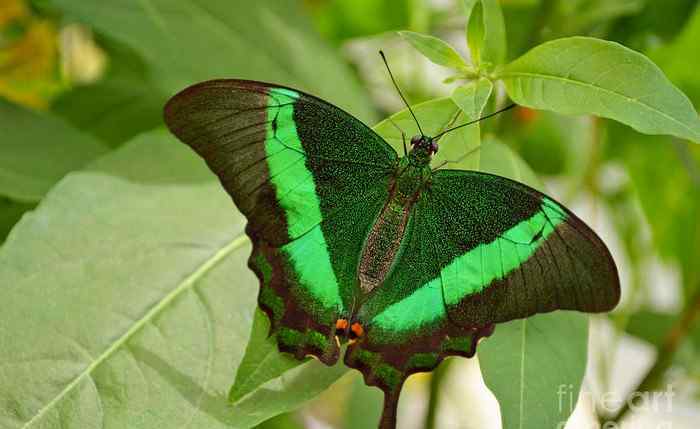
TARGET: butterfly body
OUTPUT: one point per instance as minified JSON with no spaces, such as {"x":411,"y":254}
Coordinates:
{"x":352,"y":242}
{"x":383,"y":242}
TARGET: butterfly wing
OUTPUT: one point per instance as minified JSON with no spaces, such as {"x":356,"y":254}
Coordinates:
{"x":310,"y":179}
{"x":541,"y":258}
{"x":479,"y":249}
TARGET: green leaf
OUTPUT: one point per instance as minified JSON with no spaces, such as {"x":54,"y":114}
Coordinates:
{"x":650,"y":326}
{"x":679,"y":60}
{"x":535,"y":367}
{"x":128,"y":302}
{"x":486,"y":31}
{"x":497,"y":158}
{"x":582,"y":75}
{"x":591,"y":17}
{"x":10,"y":213}
{"x":189,"y":41}
{"x":436,"y":50}
{"x":283,"y":421}
{"x":37,"y":150}
{"x":340,"y":20}
{"x":655,"y":328}
{"x":472,"y":97}
{"x":123,"y":104}
{"x":475,"y":32}
{"x":364,"y":405}
{"x":656,"y":22}
{"x":263,"y":362}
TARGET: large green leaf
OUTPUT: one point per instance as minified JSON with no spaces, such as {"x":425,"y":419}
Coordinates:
{"x":527,"y":363}
{"x":582,"y":75}
{"x":37,"y":150}
{"x":188,"y":41}
{"x":127,"y":302}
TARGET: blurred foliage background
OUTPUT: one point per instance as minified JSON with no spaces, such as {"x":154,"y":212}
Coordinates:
{"x":74,"y":87}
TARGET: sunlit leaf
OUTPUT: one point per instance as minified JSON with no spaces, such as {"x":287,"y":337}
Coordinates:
{"x":434,"y":49}
{"x":582,"y":75}
{"x":475,"y":32}
{"x":472,"y":98}
{"x":488,"y":28}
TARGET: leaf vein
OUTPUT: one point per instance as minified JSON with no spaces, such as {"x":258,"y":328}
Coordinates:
{"x":545,"y":77}
{"x":185,"y":285}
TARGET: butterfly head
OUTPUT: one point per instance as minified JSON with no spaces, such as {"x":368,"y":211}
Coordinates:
{"x":425,"y":143}
{"x":422,"y":149}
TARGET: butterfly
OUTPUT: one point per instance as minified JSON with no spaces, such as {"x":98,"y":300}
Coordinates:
{"x":354,"y":244}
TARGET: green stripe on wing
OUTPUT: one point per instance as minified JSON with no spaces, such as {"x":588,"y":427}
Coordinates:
{"x":296,"y":195}
{"x":471,"y":272}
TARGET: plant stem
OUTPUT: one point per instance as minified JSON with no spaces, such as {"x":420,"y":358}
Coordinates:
{"x":436,"y":381}
{"x":665,"y":352}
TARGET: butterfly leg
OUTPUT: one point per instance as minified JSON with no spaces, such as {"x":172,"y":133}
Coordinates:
{"x":458,"y":160}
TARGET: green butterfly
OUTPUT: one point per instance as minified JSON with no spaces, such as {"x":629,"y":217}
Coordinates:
{"x":353,"y":243}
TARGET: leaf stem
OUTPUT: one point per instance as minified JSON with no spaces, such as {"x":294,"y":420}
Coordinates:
{"x":666,"y":351}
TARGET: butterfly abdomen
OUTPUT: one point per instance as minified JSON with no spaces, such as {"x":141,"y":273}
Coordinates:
{"x":384,"y":239}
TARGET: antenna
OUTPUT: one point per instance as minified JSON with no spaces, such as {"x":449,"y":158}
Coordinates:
{"x":474,"y":121}
{"x":399,"y":91}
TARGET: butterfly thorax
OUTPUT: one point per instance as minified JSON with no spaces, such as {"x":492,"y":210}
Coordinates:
{"x":384,"y":239}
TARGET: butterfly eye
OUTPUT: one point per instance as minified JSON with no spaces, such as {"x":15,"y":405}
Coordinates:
{"x":434,"y":147}
{"x":416,"y":140}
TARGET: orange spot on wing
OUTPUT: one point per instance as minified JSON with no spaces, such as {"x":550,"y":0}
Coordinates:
{"x":341,"y":324}
{"x":357,"y":329}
